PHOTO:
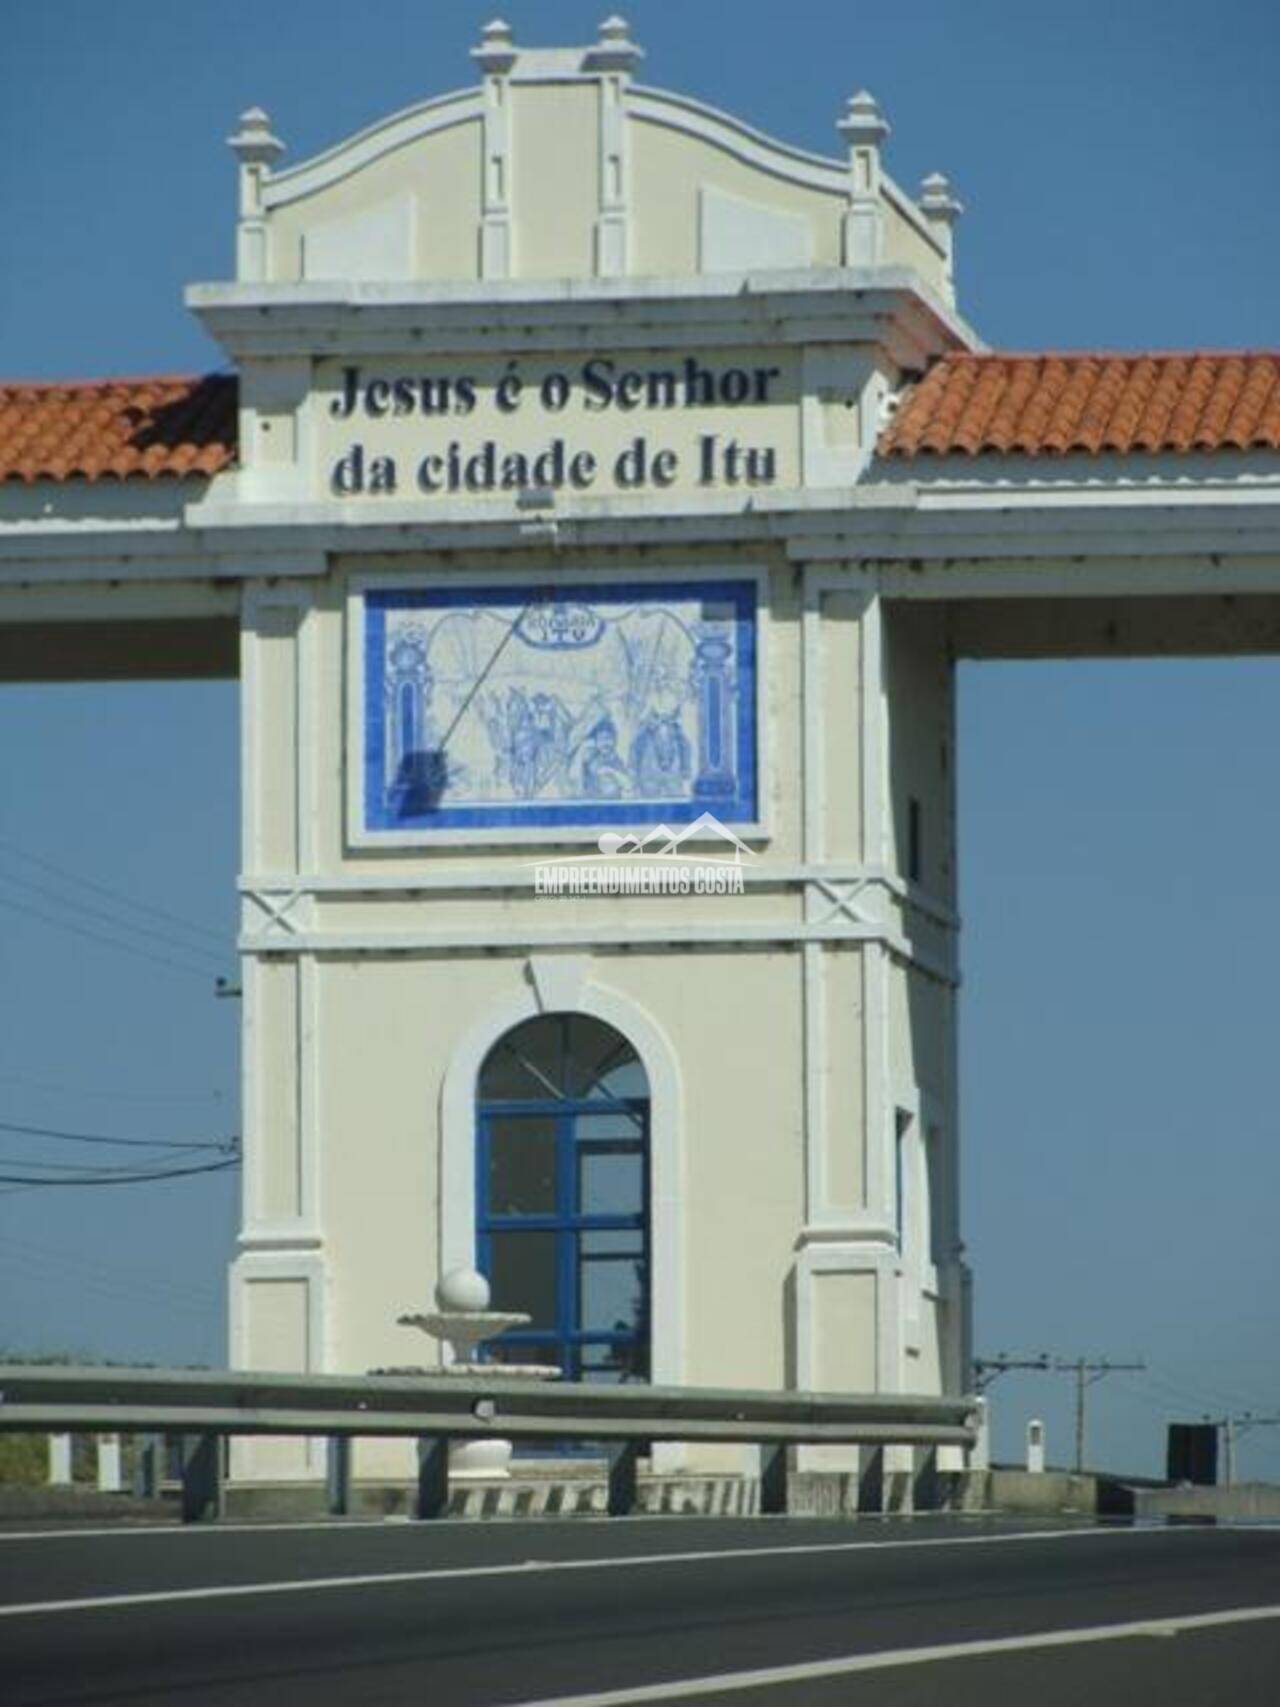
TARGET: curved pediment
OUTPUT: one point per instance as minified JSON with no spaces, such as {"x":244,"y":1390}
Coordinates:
{"x":559,"y":166}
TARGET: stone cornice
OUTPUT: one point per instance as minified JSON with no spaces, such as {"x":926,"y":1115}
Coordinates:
{"x":886,"y":307}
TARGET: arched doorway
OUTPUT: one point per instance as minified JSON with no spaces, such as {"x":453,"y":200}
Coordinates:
{"x":562,"y":1195}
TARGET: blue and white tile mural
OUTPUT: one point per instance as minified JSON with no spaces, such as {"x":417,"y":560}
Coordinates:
{"x":531,"y":707}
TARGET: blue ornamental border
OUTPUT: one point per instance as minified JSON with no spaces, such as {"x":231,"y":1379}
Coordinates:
{"x":733,"y":799}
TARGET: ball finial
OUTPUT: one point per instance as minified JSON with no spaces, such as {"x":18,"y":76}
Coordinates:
{"x":463,"y":1289}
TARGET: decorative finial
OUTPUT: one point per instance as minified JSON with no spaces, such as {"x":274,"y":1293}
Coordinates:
{"x":938,"y":201}
{"x":497,"y":51}
{"x":863,"y":122}
{"x":462,"y":1289}
{"x":615,"y":50}
{"x":253,"y":143}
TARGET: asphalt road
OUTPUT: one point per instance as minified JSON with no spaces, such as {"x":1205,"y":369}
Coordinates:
{"x":766,"y":1612}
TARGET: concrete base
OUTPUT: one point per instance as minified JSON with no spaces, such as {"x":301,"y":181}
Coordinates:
{"x":822,"y":1493}
{"x":582,"y":1492}
{"x":1247,"y":1501}
{"x":579,"y":1489}
{"x":1060,"y":1491}
{"x":80,"y":1505}
{"x":1044,"y":1491}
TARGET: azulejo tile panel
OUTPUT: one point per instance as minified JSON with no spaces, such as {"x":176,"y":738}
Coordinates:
{"x":509,"y":707}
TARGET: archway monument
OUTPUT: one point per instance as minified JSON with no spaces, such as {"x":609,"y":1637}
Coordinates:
{"x":595,"y":465}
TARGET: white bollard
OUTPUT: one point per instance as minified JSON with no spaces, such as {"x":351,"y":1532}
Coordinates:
{"x":110,"y":1480}
{"x":1035,"y":1447}
{"x":59,"y":1460}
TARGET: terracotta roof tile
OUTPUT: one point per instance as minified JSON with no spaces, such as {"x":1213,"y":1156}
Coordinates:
{"x":118,"y":429}
{"x":1034,"y":405}
{"x":1052,"y":405}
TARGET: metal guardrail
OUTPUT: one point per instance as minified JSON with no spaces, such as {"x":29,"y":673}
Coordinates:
{"x":203,"y":1407}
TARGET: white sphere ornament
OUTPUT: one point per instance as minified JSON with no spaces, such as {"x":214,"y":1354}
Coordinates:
{"x":463,"y":1289}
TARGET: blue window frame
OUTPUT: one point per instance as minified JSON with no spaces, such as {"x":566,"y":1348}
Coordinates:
{"x":562,"y":1196}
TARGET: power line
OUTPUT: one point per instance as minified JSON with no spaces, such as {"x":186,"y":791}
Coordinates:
{"x":1080,"y":1367}
{"x":986,"y":1369}
{"x":166,"y":937}
{"x":30,"y":912}
{"x":116,"y":895}
{"x":24,"y":1181}
{"x":1208,"y":1396}
{"x":1231,"y":1427}
{"x":19,"y":1252}
{"x":160,"y":1298}
{"x":1147,"y":1401}
{"x":58,"y":1087}
{"x":104,"y":1171}
{"x":63,"y":1137}
{"x":47,"y":1270}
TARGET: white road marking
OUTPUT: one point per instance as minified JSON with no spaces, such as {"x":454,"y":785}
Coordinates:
{"x":1146,"y":1525}
{"x":308,"y":1585}
{"x":120,"y":1530}
{"x":685,"y":1689}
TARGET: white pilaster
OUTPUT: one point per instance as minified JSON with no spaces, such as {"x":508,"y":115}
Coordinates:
{"x":495,"y":56}
{"x":878,"y":1099}
{"x":941,"y":208}
{"x":811,"y":838}
{"x":614,"y":56}
{"x":845,"y":1254}
{"x":255,"y":148}
{"x":278,"y":1319}
{"x":864,"y":128}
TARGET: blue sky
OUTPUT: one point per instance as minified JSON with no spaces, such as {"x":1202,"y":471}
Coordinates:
{"x":1120,"y":826}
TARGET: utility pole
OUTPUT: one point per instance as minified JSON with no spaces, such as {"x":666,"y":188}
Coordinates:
{"x":1230,"y":1426}
{"x":985,"y":1369}
{"x":1081,"y":1368}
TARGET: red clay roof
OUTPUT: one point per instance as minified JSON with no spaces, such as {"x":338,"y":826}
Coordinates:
{"x":118,"y":429}
{"x":1033,"y":405}
{"x":1049,"y":405}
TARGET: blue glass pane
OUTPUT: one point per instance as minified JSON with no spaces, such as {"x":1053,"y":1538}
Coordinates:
{"x":624,"y":1125}
{"x":522,"y":1274}
{"x":623,"y":1078}
{"x":522,"y":1165}
{"x":509,"y":1076}
{"x":612,"y":1241}
{"x":611,"y":1294}
{"x":610,"y":1182}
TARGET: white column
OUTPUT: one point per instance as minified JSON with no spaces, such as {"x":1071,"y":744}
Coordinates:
{"x":110,"y":1480}
{"x":59,"y":1460}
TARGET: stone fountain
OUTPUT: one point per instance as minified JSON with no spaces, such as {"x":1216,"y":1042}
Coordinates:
{"x":463,"y":1321}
